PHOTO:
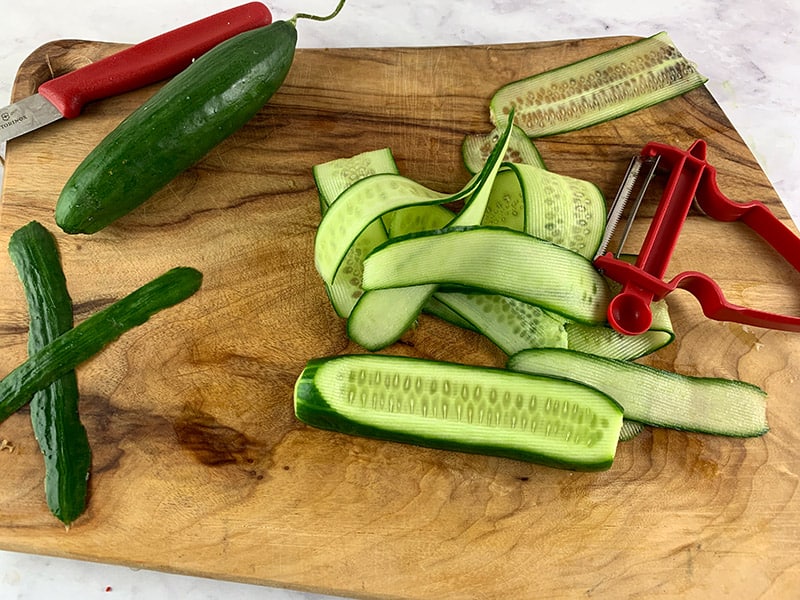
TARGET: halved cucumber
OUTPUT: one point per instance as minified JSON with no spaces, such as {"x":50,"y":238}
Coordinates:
{"x":598,"y":88}
{"x":656,"y":397}
{"x":493,"y":260}
{"x":462,"y":408}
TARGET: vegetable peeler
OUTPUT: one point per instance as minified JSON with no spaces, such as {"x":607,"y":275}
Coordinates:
{"x":690,"y":179}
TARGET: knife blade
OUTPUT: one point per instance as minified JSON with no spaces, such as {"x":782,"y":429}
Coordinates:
{"x":148,"y":62}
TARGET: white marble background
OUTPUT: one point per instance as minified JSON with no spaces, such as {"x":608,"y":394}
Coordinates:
{"x":749,"y":49}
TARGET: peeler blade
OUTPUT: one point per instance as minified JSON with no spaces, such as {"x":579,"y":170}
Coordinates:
{"x":638,"y":176}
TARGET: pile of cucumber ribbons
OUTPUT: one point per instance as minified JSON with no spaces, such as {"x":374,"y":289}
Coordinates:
{"x":513,"y":263}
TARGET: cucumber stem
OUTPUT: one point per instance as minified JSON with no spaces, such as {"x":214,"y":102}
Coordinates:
{"x":336,"y":11}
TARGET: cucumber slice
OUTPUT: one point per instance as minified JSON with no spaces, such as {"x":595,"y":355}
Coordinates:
{"x":655,"y":397}
{"x":379,"y":318}
{"x":598,"y":88}
{"x":476,"y":148}
{"x":493,"y":260}
{"x":335,"y":176}
{"x":332,"y":178}
{"x":462,"y":408}
{"x":564,"y":210}
{"x":509,"y":323}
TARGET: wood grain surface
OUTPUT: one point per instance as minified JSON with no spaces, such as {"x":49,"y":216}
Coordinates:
{"x":199,"y":465}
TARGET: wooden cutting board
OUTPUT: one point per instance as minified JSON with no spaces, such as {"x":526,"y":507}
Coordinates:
{"x":199,"y":465}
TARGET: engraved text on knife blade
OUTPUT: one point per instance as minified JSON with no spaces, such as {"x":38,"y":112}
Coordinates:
{"x":26,"y":115}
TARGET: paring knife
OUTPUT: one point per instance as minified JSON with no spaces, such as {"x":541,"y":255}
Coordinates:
{"x":147,"y":62}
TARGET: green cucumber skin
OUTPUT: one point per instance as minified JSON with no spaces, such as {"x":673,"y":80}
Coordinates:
{"x":55,"y":419}
{"x":68,"y":350}
{"x":312,"y":409}
{"x":192,"y":113}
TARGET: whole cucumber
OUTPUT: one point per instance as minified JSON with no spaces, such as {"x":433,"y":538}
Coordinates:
{"x":192,"y":113}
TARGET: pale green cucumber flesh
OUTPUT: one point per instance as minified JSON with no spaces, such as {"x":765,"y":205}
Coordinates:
{"x":506,"y":206}
{"x":332,"y":178}
{"x":335,"y":176}
{"x":494,"y":260}
{"x":476,"y":149}
{"x":509,"y":323}
{"x":358,"y":207}
{"x":598,"y":88}
{"x":564,"y":210}
{"x":377,"y":323}
{"x":656,"y":397}
{"x":461,"y":408}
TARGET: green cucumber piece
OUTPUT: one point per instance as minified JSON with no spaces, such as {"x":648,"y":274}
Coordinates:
{"x":176,"y":127}
{"x":461,"y":408}
{"x":55,"y":419}
{"x":335,"y":176}
{"x":332,"y":178}
{"x":495,"y":260}
{"x":656,"y":397}
{"x":380,"y":317}
{"x":563,"y":210}
{"x":61,"y":355}
{"x":506,"y":207}
{"x":476,"y":149}
{"x":598,"y":88}
{"x":359,"y":206}
{"x":512,"y":325}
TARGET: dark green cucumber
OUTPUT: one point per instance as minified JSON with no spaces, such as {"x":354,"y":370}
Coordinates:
{"x":656,"y":397}
{"x":195,"y":111}
{"x":462,"y":408}
{"x":55,"y":419}
{"x":61,"y":355}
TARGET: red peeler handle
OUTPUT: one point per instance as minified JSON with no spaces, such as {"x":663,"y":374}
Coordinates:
{"x":150,"y":61}
{"x":692,"y":177}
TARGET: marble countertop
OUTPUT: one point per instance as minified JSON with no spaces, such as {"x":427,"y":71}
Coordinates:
{"x":748,"y":49}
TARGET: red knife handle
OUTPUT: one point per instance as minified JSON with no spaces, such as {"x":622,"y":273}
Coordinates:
{"x":150,"y":61}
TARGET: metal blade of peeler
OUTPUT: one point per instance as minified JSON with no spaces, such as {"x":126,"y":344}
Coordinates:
{"x":632,"y":181}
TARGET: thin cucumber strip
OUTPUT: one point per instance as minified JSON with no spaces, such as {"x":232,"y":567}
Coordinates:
{"x":61,"y":355}
{"x":564,"y":210}
{"x":476,"y":148}
{"x":335,"y":176}
{"x":380,"y":319}
{"x":598,"y":88}
{"x":332,"y":178}
{"x":461,"y":408}
{"x":362,"y":204}
{"x":506,"y":207}
{"x":495,"y":260}
{"x":655,"y":397}
{"x":372,"y":197}
{"x":55,"y":419}
{"x":512,"y":325}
